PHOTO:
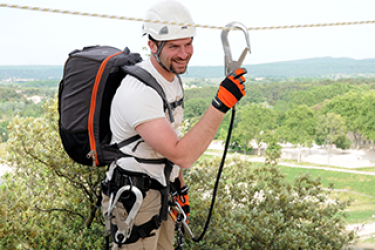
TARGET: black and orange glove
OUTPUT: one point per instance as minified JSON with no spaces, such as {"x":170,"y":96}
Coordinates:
{"x":183,"y":200}
{"x":231,"y":90}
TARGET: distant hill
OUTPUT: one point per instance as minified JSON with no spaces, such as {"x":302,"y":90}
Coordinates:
{"x":315,"y":67}
{"x":29,"y":73}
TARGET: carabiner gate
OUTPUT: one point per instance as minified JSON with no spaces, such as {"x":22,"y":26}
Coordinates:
{"x":177,"y":207}
{"x":231,"y":65}
{"x":124,"y":226}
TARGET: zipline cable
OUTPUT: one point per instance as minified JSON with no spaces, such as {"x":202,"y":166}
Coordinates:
{"x":77,"y":13}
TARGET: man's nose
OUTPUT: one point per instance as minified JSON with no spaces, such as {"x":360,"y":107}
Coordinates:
{"x":182,"y":53}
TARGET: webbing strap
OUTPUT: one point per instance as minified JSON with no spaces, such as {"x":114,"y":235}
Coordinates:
{"x":141,"y":231}
{"x":177,"y":103}
{"x":128,"y":141}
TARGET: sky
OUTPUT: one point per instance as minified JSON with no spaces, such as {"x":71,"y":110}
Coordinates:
{"x":41,"y":38}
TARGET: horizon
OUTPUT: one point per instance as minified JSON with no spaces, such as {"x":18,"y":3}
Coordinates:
{"x":305,"y":59}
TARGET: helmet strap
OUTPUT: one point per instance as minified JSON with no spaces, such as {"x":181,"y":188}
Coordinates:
{"x":160,"y":47}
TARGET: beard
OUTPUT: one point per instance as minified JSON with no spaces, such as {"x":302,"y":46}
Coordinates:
{"x":175,"y":69}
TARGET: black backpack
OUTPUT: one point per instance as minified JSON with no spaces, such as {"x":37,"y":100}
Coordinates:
{"x":90,"y":79}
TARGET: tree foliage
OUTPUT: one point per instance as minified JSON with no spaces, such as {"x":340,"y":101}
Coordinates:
{"x":330,"y":129}
{"x":348,"y":107}
{"x":195,"y":107}
{"x":299,"y":127}
{"x":367,"y":115}
{"x":50,"y":200}
{"x":258,"y":209}
{"x":255,"y":121}
{"x":317,"y":94}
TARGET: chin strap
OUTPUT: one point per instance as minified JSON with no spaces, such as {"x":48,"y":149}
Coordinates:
{"x":160,"y":47}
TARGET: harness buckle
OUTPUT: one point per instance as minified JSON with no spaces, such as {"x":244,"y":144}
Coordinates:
{"x":230,"y":64}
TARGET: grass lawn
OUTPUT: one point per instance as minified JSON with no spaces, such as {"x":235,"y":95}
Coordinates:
{"x":366,"y":169}
{"x":363,"y":184}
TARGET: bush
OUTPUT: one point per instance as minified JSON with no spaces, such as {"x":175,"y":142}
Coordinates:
{"x":257,"y":208}
{"x":49,"y":201}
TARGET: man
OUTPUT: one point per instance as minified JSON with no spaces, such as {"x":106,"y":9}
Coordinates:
{"x":138,"y":110}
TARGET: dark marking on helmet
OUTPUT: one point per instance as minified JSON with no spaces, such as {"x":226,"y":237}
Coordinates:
{"x":184,"y":27}
{"x":164,"y":31}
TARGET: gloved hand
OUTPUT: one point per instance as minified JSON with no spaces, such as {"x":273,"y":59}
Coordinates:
{"x":183,"y":200}
{"x":231,"y":90}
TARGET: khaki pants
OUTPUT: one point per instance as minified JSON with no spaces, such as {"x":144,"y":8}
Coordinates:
{"x":164,"y":236}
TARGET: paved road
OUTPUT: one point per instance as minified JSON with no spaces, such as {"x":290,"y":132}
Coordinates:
{"x":261,"y":159}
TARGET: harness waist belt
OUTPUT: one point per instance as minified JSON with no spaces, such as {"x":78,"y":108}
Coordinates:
{"x":123,"y":177}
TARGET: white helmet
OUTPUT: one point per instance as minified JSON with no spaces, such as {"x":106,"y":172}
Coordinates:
{"x":173,"y":12}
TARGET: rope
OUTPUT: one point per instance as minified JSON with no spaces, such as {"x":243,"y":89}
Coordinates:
{"x":77,"y":13}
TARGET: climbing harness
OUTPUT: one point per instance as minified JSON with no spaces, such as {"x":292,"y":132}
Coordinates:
{"x":129,"y":189}
{"x":230,"y":66}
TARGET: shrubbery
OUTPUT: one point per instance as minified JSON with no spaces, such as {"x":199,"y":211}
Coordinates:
{"x":49,"y":202}
{"x":257,"y":208}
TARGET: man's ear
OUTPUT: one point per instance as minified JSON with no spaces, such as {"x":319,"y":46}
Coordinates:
{"x":153,"y":46}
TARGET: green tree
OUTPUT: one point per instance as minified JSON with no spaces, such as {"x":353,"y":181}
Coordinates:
{"x":253,"y":94}
{"x":195,"y":107}
{"x":50,"y":201}
{"x":318,"y":94}
{"x":299,"y":127}
{"x":349,"y":107}
{"x":367,"y":115}
{"x":330,"y":129}
{"x":255,"y":120}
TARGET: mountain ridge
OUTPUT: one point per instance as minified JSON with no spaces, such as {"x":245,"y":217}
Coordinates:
{"x":311,"y":67}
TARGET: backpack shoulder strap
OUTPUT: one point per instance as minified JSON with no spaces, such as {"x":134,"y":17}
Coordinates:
{"x":145,"y":77}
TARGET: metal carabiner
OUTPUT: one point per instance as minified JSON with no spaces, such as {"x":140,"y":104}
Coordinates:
{"x":177,"y":207}
{"x":231,"y":65}
{"x":124,"y":227}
